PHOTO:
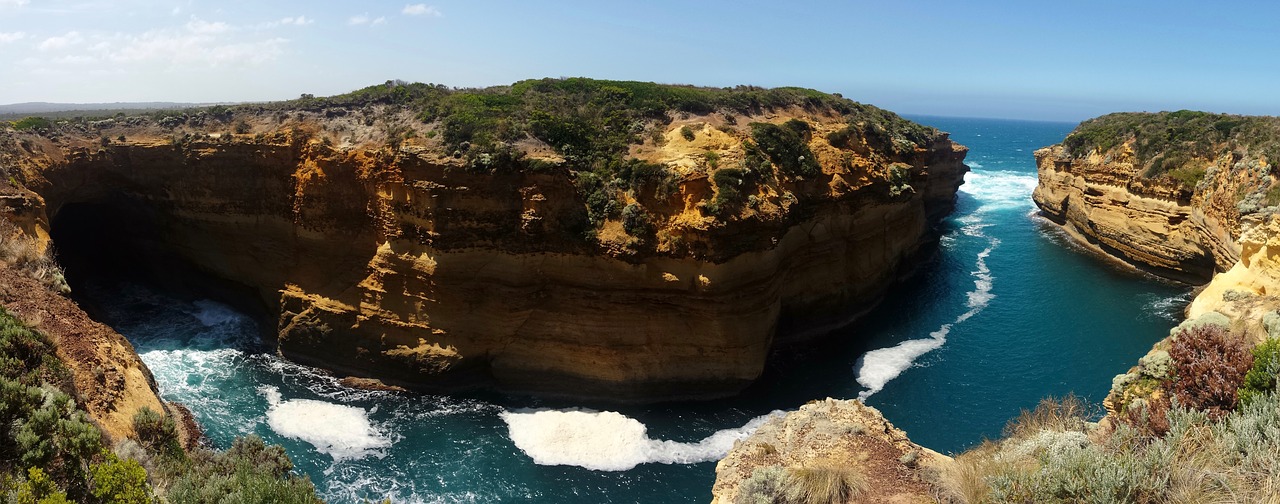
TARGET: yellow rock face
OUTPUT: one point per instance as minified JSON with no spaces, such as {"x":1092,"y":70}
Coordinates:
{"x":1106,"y":203}
{"x":404,"y":266}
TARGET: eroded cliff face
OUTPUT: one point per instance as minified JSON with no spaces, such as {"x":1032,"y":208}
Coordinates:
{"x":1155,"y":224}
{"x":402,"y":263}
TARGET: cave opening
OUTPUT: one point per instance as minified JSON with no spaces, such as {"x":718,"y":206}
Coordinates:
{"x":116,"y":241}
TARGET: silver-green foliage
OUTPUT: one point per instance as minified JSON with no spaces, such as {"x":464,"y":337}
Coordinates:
{"x":1236,"y":458}
{"x":763,"y":487}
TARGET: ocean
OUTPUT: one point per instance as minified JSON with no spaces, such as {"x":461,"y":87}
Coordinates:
{"x":1008,"y":312}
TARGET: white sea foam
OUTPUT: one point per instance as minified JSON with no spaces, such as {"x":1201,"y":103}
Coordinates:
{"x":341,"y":431}
{"x":609,"y":441}
{"x":997,"y":190}
{"x":1168,"y":308}
{"x":973,"y":164}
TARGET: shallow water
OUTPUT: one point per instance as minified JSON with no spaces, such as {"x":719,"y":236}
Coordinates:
{"x":1008,"y":313}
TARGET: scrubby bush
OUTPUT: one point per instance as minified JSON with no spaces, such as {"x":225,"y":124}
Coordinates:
{"x":730,"y":184}
{"x":635,"y":221}
{"x":1261,"y":378}
{"x":1067,"y":413}
{"x":38,"y":124}
{"x":250,"y":471}
{"x":899,"y":179}
{"x":1176,"y":144}
{"x":786,"y":147}
{"x":1209,"y":365}
{"x":687,"y":133}
{"x":120,"y":481}
{"x":763,"y":487}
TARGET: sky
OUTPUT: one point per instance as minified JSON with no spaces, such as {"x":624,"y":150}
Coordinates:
{"x":1027,"y":59}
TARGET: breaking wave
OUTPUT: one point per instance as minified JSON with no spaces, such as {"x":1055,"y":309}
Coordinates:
{"x":610,"y":441}
{"x":995,"y":191}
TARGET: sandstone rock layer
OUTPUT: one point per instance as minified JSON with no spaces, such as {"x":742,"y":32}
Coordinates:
{"x":402,"y":264}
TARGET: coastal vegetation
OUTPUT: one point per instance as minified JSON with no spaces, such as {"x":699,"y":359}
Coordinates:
{"x":1199,"y":422}
{"x":51,"y":451}
{"x":1180,"y":145}
{"x":592,"y":132}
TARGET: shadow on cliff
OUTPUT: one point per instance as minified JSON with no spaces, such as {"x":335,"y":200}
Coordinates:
{"x":117,"y":241}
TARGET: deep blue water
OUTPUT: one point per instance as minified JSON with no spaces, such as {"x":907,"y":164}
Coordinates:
{"x":1008,"y":313}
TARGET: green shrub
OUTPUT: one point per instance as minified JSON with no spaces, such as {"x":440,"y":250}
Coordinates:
{"x":1261,"y":378}
{"x":1166,"y":141}
{"x":36,"y":488}
{"x":157,"y":433}
{"x":1272,"y":197}
{"x":731,"y":184}
{"x":250,"y":471}
{"x":899,"y":179}
{"x":120,"y":481}
{"x":636,"y":221}
{"x":37,"y":124}
{"x":785,"y":146}
{"x":842,"y":137}
{"x":687,"y":133}
{"x":712,"y":159}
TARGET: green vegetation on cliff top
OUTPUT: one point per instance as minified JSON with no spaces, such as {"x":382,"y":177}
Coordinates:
{"x":590,"y":125}
{"x":1167,"y":142}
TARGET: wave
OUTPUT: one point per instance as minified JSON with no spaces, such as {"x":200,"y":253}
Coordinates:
{"x":878,"y":367}
{"x":610,"y":441}
{"x":996,"y":191}
{"x":340,"y":431}
{"x":1167,"y":308}
{"x":1000,"y":189}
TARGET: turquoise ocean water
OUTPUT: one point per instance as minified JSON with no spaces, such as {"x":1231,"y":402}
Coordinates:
{"x":1009,"y":312}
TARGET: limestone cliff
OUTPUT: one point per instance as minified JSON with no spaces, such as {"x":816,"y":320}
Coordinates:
{"x":1165,"y":191}
{"x":598,"y":252}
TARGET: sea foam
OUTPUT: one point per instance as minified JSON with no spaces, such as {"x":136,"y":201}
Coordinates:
{"x":340,"y":431}
{"x":998,"y":190}
{"x":610,"y":441}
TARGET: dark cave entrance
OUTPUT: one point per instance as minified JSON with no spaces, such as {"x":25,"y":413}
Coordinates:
{"x":119,"y":240}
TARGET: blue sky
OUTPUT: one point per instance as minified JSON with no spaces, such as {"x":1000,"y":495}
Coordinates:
{"x":1016,"y":59}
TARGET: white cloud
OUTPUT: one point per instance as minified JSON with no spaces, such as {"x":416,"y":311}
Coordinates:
{"x":6,"y":38}
{"x":196,"y":45}
{"x":197,"y":25}
{"x":297,"y":21}
{"x":57,"y":43}
{"x":13,"y":3}
{"x":421,"y":10}
{"x":364,"y":19}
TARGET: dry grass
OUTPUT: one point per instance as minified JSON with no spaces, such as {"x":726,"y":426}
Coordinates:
{"x":823,"y":482}
{"x":25,"y":254}
{"x":1051,"y":414}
